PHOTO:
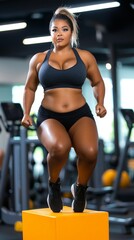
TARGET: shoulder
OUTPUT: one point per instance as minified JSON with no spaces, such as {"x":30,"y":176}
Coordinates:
{"x":86,"y":56}
{"x":37,"y":59}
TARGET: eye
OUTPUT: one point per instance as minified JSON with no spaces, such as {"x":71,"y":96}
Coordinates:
{"x":65,"y":29}
{"x":54,"y":30}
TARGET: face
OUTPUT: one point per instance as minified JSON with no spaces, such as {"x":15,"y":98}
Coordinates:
{"x":61,"y":33}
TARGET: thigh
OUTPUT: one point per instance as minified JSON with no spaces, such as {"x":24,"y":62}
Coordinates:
{"x":51,"y":133}
{"x":84,"y":135}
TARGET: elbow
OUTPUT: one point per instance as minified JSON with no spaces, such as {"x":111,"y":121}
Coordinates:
{"x":98,"y":83}
{"x":30,"y":89}
{"x":94,"y":84}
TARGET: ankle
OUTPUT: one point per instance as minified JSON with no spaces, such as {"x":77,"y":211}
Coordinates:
{"x":81,"y":184}
{"x":54,"y":181}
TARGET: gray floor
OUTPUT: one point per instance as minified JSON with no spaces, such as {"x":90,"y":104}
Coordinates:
{"x":117,"y":233}
{"x":7,"y":233}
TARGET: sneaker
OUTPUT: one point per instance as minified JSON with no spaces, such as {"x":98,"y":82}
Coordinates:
{"x":79,"y":194}
{"x":54,"y":197}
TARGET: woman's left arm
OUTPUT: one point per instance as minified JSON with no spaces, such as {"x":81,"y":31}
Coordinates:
{"x":93,"y":74}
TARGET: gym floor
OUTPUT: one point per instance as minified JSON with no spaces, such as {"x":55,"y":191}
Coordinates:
{"x":7,"y":232}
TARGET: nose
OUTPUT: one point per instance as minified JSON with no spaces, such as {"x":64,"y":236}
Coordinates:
{"x":59,"y":33}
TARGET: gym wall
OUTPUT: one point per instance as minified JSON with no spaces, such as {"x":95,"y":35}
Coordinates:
{"x":13,"y":70}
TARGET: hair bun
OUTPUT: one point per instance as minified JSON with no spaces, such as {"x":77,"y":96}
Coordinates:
{"x":62,"y":10}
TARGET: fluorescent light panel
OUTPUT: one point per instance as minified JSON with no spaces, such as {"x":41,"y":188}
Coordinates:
{"x":35,"y":40}
{"x":12,"y":26}
{"x":93,"y":7}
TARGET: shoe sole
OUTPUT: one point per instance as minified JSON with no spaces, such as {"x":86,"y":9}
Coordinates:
{"x":73,"y":193}
{"x":48,"y":201}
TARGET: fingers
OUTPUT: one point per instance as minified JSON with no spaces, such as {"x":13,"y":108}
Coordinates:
{"x":26,"y":122}
{"x":100,"y":111}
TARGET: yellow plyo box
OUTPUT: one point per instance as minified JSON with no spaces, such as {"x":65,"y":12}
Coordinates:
{"x":43,"y":224}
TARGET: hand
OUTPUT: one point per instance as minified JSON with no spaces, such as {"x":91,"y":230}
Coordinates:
{"x":26,"y":121}
{"x":100,"y":110}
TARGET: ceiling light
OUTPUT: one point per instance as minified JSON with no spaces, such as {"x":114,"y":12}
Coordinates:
{"x":37,"y":15}
{"x":94,"y":7}
{"x":12,"y":26}
{"x":36,"y":40}
{"x":108,"y":66}
{"x":132,"y":5}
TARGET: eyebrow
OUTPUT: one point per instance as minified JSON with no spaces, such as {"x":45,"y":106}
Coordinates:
{"x":62,"y":26}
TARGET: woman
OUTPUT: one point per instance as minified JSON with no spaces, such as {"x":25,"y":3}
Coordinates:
{"x":64,"y":118}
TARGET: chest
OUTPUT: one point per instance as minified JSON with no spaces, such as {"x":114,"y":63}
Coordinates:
{"x":62,"y":62}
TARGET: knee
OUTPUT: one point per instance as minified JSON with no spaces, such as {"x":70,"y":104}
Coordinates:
{"x":89,"y":155}
{"x":59,"y":149}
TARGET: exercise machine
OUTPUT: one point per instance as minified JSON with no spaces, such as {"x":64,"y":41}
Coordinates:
{"x":128,"y":115}
{"x":99,"y":194}
{"x":17,"y":165}
{"x":11,"y":169}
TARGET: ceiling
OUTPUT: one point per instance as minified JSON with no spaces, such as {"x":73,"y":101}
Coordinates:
{"x":99,"y":31}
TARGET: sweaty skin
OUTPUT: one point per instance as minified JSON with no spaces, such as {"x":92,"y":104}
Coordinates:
{"x":63,"y":100}
{"x":83,"y":135}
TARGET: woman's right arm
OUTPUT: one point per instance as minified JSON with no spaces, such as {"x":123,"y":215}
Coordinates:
{"x":29,"y":91}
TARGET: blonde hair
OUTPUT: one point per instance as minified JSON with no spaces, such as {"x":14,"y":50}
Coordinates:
{"x":64,"y":13}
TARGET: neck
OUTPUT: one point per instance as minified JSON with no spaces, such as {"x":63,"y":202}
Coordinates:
{"x":62,"y":49}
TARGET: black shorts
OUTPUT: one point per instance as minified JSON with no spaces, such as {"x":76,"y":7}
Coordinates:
{"x":67,"y":119}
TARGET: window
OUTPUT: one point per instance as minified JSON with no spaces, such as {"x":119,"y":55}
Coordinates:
{"x":105,"y":125}
{"x":17,"y":96}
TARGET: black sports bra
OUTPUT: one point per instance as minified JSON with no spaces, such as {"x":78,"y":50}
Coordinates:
{"x":72,"y":77}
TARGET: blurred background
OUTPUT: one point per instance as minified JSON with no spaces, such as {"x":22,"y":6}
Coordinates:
{"x":108,"y":33}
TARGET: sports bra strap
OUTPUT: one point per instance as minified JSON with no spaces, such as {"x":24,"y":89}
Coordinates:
{"x":76,"y":53}
{"x":48,"y":54}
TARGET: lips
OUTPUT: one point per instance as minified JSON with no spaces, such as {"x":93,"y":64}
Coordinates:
{"x":60,"y":39}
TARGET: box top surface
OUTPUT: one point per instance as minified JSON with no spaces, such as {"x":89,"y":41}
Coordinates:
{"x":67,"y":211}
